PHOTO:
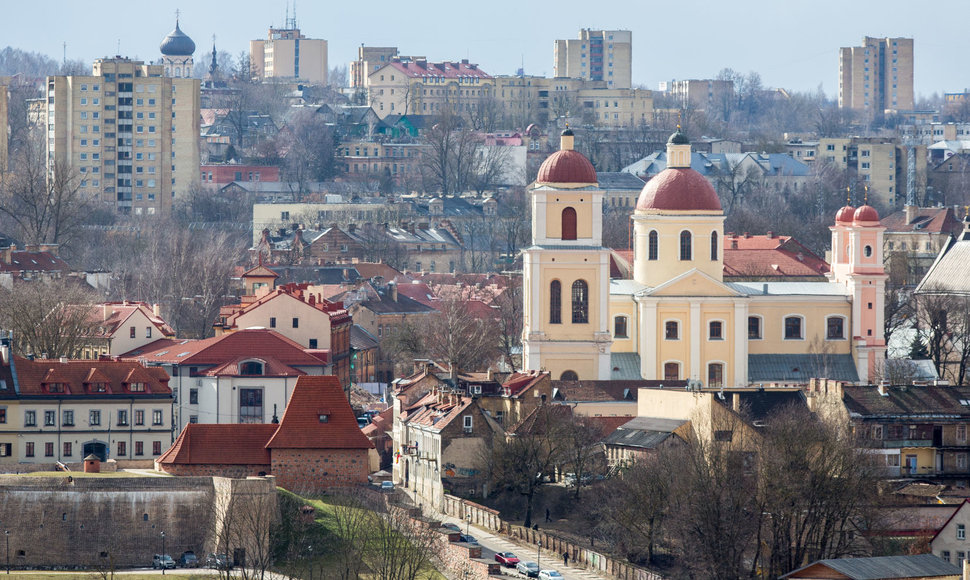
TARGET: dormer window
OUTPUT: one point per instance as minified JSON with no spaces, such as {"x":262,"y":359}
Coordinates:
{"x":55,"y":387}
{"x":324,"y":417}
{"x":251,"y":367}
{"x":136,"y":387}
{"x":98,"y":387}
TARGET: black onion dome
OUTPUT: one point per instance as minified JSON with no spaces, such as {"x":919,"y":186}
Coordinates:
{"x":177,"y":43}
{"x":678,"y":138}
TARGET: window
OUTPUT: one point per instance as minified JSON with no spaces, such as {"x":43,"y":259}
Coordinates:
{"x":3,"y":415}
{"x":30,"y":418}
{"x":94,"y":417}
{"x":672,"y":330}
{"x":962,"y":461}
{"x":251,"y":367}
{"x":139,"y":448}
{"x":250,"y":405}
{"x":713,"y":246}
{"x":67,"y":418}
{"x":313,"y":343}
{"x":139,"y":416}
{"x":653,"y":245}
{"x":685,"y":247}
{"x":156,"y":447}
{"x":569,"y":224}
{"x":29,"y":449}
{"x":50,"y":418}
{"x":868,"y":251}
{"x":272,"y":322}
{"x":945,"y":554}
{"x":892,"y":461}
{"x":148,"y":332}
{"x":715,"y":330}
{"x":671,"y":371}
{"x":793,"y":328}
{"x":296,"y":323}
{"x":835,"y":328}
{"x":49,"y":449}
{"x":68,"y":449}
{"x":122,"y":448}
{"x":961,"y":532}
{"x":158,"y":417}
{"x":131,"y":332}
{"x":619,"y":327}
{"x":555,"y":302}
{"x":467,"y":419}
{"x":754,"y":328}
{"x":580,"y":302}
{"x":715,"y":375}
{"x":961,"y":433}
{"x":193,"y":396}
{"x":122,"y":417}
{"x":877,"y":432}
{"x":136,"y":387}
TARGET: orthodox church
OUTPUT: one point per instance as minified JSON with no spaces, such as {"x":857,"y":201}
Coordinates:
{"x":677,"y":319}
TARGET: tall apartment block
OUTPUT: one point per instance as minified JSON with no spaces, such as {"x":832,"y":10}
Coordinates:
{"x":877,"y":76}
{"x":287,"y":54}
{"x":598,"y":55}
{"x":130,"y":132}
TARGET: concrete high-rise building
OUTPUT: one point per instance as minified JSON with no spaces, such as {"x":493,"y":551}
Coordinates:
{"x":598,"y":55}
{"x":287,"y":54}
{"x":877,"y":76}
{"x":129,"y":132}
{"x":369,"y":59}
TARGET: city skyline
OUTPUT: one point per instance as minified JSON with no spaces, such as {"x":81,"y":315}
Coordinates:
{"x":791,"y":46}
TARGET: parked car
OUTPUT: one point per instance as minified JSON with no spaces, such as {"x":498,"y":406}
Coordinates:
{"x":530,"y":569}
{"x":218,"y":561}
{"x":550,"y":575}
{"x":452,"y":527}
{"x":387,"y":486}
{"x":507,"y":559}
{"x":467,"y":539}
{"x":162,"y":561}
{"x":188,"y":559}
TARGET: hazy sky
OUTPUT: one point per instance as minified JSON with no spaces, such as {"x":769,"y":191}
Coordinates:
{"x":791,"y":44}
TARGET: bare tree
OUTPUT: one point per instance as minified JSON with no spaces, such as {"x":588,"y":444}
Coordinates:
{"x":48,"y":317}
{"x":402,"y":547}
{"x":457,"y":335}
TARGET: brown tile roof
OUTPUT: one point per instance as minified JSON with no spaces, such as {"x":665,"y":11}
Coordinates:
{"x":301,"y":426}
{"x":605,"y":390}
{"x":225,"y":444}
{"x":260,"y":271}
{"x":437,"y":415}
{"x":939,"y":402}
{"x":374,"y":269}
{"x":24,"y":261}
{"x":773,"y":255}
{"x":518,"y":382}
{"x":293,"y":291}
{"x":252,"y":342}
{"x":111,"y":316}
{"x":78,"y":375}
{"x":933,"y":220}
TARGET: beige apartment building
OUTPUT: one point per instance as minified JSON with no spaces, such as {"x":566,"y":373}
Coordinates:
{"x":700,"y":94}
{"x":597,"y":55}
{"x":288,"y":54}
{"x":406,"y":86}
{"x":128,"y":131}
{"x":877,"y":76}
{"x":526,"y":99}
{"x":369,"y":59}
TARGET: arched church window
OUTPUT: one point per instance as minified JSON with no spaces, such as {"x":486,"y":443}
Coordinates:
{"x":868,"y":251}
{"x":685,"y":246}
{"x":714,"y":246}
{"x":580,"y":297}
{"x":671,"y":371}
{"x":569,"y":224}
{"x":555,"y":302}
{"x":653,"y":245}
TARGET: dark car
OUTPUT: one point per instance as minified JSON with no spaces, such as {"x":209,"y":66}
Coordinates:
{"x":507,"y":559}
{"x":218,"y":562}
{"x":467,"y":539}
{"x":188,"y":559}
{"x":530,"y":569}
{"x":452,"y":527}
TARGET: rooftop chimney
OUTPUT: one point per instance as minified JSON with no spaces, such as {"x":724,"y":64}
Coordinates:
{"x":910,"y":213}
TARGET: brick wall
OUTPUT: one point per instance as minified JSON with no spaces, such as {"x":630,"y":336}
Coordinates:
{"x":318,"y":469}
{"x":214,"y":470}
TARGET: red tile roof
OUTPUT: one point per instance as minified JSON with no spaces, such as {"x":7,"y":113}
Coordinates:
{"x":770,"y":255}
{"x":566,"y":166}
{"x":225,"y":444}
{"x":258,"y":343}
{"x":260,"y":271}
{"x":932,"y":220}
{"x":302,"y":427}
{"x":679,"y":189}
{"x":24,"y":261}
{"x":292,"y":291}
{"x":111,"y":316}
{"x":452,"y":70}
{"x":77,"y":376}
{"x":516,"y":383}
{"x":370,"y":270}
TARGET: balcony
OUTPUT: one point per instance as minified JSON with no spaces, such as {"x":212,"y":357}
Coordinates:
{"x":900,"y":443}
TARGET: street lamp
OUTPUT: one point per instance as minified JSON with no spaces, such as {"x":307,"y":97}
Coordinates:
{"x":6,"y":535}
{"x":163,"y":553}
{"x":538,"y":553}
{"x":468,"y":522}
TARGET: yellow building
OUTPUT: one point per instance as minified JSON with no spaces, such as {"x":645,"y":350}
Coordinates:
{"x":877,"y":76}
{"x":128,"y":131}
{"x":677,"y":319}
{"x":418,"y":87}
{"x":288,"y":54}
{"x":597,"y":55}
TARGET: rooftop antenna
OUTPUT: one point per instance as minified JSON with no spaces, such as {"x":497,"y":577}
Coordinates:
{"x":64,"y":60}
{"x":119,"y":47}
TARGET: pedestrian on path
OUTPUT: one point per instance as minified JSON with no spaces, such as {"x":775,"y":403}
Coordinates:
{"x":565,"y":558}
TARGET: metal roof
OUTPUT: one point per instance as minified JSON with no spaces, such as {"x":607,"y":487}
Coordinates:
{"x":885,"y":567}
{"x":625,"y":365}
{"x":790,"y":288}
{"x":947,"y":275}
{"x":785,"y":368}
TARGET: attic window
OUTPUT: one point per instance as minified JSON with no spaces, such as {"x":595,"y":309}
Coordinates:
{"x":251,"y":367}
{"x":324,"y":417}
{"x":55,"y":387}
{"x":136,"y":387}
{"x":98,"y":387}
{"x":181,"y":354}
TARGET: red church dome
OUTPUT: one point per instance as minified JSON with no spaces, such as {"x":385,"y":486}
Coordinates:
{"x":566,"y":166}
{"x":844,"y":215}
{"x":865,"y":213}
{"x":679,"y":189}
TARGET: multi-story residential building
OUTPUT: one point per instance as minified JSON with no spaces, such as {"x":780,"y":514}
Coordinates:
{"x":123,"y":326}
{"x":4,"y":81}
{"x":63,"y":410}
{"x":288,"y":54}
{"x":597,"y":55}
{"x":379,"y":159}
{"x":239,"y":377}
{"x":129,"y":131}
{"x":416,"y":86}
{"x":226,"y":173}
{"x":369,"y":59}
{"x":334,"y":210}
{"x":913,"y":239}
{"x":877,"y":76}
{"x":701,"y":94}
